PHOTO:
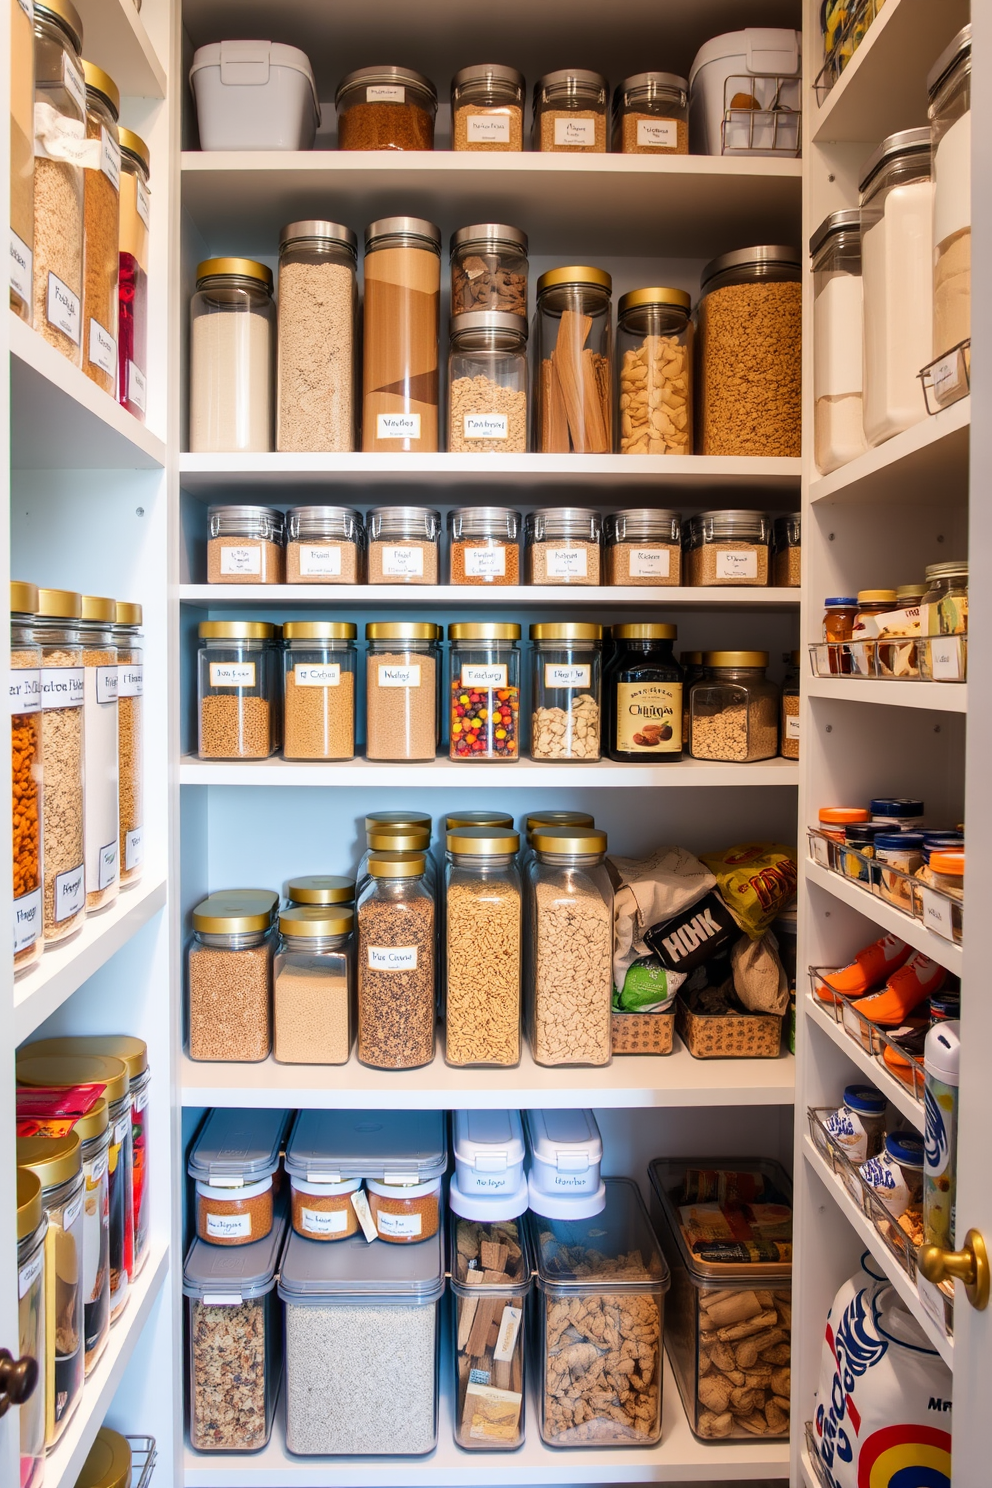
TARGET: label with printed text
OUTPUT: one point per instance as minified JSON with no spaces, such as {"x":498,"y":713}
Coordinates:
{"x":21,"y":267}
{"x":317,"y":674}
{"x":62,"y":687}
{"x":575,"y":131}
{"x":486,"y":426}
{"x":62,"y":308}
{"x":317,"y":559}
{"x":399,"y":676}
{"x":558,"y":674}
{"x":488,"y":129}
{"x":405,"y":1226}
{"x":792,"y":726}
{"x":102,"y":349}
{"x":733,"y":563}
{"x":25,"y":691}
{"x":657,"y":134}
{"x":228,"y":1226}
{"x":397,"y":426}
{"x":134,"y":849}
{"x":484,"y":676}
{"x":649,"y":718}
{"x":392,"y":958}
{"x":485,"y":563}
{"x":137,"y":387}
{"x":232,"y":674}
{"x":240,"y":559}
{"x":402,"y":562}
{"x":566,"y":563}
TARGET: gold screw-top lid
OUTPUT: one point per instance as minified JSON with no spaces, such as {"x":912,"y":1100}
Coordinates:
{"x":135,"y":145}
{"x":236,"y":630}
{"x":232,"y":914}
{"x":397,"y":865}
{"x":101,"y":82}
{"x":581,"y":840}
{"x":644,"y":632}
{"x":637,"y":299}
{"x":97,"y":608}
{"x":907,"y":594}
{"x":94,"y":1123}
{"x":133,"y":1051}
{"x":388,"y":839}
{"x":58,"y":1070}
{"x":566,"y":630}
{"x":52,"y":1159}
{"x":127,"y":613}
{"x":321,"y":888}
{"x":311,"y":919}
{"x":397,"y":818}
{"x":319,"y":630}
{"x":59,"y":604}
{"x":477,"y":819}
{"x":29,"y":1206}
{"x":484,"y":842}
{"x":402,"y":630}
{"x":23,"y":598}
{"x":259,"y":901}
{"x":735,"y":658}
{"x":244,"y":268}
{"x":534,"y":820}
{"x":484,"y":630}
{"x":876,"y":596}
{"x":67,"y":14}
{"x":575,"y":274}
{"x":109,"y":1462}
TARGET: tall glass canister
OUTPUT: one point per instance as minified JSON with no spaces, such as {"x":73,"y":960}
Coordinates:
{"x":101,"y":224}
{"x":232,"y":345}
{"x":316,"y":360}
{"x":59,"y":133}
{"x":101,"y":819}
{"x":654,"y":372}
{"x":838,"y":323}
{"x":130,"y":740}
{"x":572,"y":362}
{"x":484,"y":691}
{"x":483,"y":954}
{"x":949,"y":90}
{"x":57,"y":628}
{"x":22,"y":158}
{"x":26,"y":775}
{"x":400,"y":371}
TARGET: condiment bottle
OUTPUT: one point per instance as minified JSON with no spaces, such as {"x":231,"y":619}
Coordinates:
{"x":643,"y":686}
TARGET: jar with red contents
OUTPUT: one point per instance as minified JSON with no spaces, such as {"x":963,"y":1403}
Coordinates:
{"x":484,"y":691}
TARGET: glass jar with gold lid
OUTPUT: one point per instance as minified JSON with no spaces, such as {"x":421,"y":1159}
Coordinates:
{"x":32,"y":1225}
{"x":109,"y":1462}
{"x":573,"y":361}
{"x":229,"y":977}
{"x":483,"y":908}
{"x":402,"y":693}
{"x":321,"y":889}
{"x":57,"y":628}
{"x":397,"y":936}
{"x":319,"y":665}
{"x":238,"y":683}
{"x":231,"y":359}
{"x":654,"y":372}
{"x":566,"y":690}
{"x":26,"y":773}
{"x":313,"y":975}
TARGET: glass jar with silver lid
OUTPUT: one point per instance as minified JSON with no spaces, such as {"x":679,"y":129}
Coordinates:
{"x":563,"y":545}
{"x":402,"y":281}
{"x":651,"y":115}
{"x":643,"y":547}
{"x":404,"y":545}
{"x":244,"y":545}
{"x":324,"y":545}
{"x":385,"y":108}
{"x":487,"y":108}
{"x":315,"y":362}
{"x":570,"y":111}
{"x":489,"y":269}
{"x":487,"y":383}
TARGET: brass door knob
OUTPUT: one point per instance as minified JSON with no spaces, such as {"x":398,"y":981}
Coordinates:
{"x":18,"y":1378}
{"x":969,"y":1265}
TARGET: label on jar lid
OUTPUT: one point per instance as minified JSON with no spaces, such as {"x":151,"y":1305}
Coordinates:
{"x":62,"y":687}
{"x":232,"y":674}
{"x":486,"y":426}
{"x":29,"y":1273}
{"x":484,"y":676}
{"x":21,"y":267}
{"x":488,"y":129}
{"x":557,"y":674}
{"x":318,"y":559}
{"x":317,"y":674}
{"x":397,"y":426}
{"x":137,"y":387}
{"x":27,"y":920}
{"x":110,"y":158}
{"x":241,"y":559}
{"x":402,"y":1226}
{"x":134,"y":850}
{"x":70,"y":893}
{"x":102,"y":349}
{"x":649,"y":563}
{"x":106,"y":870}
{"x":228,"y":1226}
{"x":106,"y":683}
{"x":62,"y":308}
{"x":402,"y":562}
{"x":130,"y":679}
{"x":392,"y":958}
{"x":25,"y":691}
{"x":485,"y":563}
{"x":733,"y":563}
{"x":142,"y":200}
{"x":385,"y":93}
{"x":566,"y":563}
{"x":323,"y":1221}
{"x":570,"y":131}
{"x":657,"y":134}
{"x":399,"y":676}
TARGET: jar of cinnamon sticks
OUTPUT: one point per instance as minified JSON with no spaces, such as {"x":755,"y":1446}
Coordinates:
{"x":573,"y":361}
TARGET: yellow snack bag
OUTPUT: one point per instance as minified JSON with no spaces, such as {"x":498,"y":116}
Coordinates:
{"x":755,"y":880}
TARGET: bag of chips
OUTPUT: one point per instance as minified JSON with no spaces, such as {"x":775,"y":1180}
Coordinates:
{"x":755,"y":880}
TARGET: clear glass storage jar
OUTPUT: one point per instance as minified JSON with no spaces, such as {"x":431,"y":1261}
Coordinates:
{"x":727,"y":547}
{"x":750,"y":353}
{"x":487,"y":383}
{"x":402,"y":284}
{"x":130,"y":740}
{"x":389,"y":842}
{"x":26,"y":775}
{"x":566,"y":694}
{"x":324,"y":1211}
{"x":787,"y":552}
{"x":949,"y":112}
{"x":489,"y":269}
{"x":385,"y":108}
{"x":324,"y":545}
{"x":232,"y":346}
{"x":573,"y":362}
{"x":643,"y":686}
{"x":132,"y":306}
{"x":692,"y":666}
{"x":643,"y":548}
{"x":59,"y":135}
{"x":32,"y":1225}
{"x":312,"y":985}
{"x":944,"y":612}
{"x":563,"y":545}
{"x":651,"y":115}
{"x":487,"y":108}
{"x":896,"y":198}
{"x":63,"y":868}
{"x":229,"y":976}
{"x":570,"y":111}
{"x":396,"y":949}
{"x":405,"y":1213}
{"x":381,"y":825}
{"x":404,"y":544}
{"x":238,"y":686}
{"x":316,"y":359}
{"x":654,"y":372}
{"x":483,"y":690}
{"x":484,"y":545}
{"x":483,"y":948}
{"x":22,"y":183}
{"x":570,"y":955}
{"x":838,"y":328}
{"x":789,"y":732}
{"x":401,"y":690}
{"x":101,"y":228}
{"x":733,"y":711}
{"x":320,"y":662}
{"x":101,"y":771}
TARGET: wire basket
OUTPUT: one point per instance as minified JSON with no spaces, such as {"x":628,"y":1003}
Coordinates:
{"x":883,"y":1048}
{"x":845,"y":44}
{"x":900,"y":1237}
{"x":939,"y":911}
{"x":143,"y":1460}
{"x":770,"y":123}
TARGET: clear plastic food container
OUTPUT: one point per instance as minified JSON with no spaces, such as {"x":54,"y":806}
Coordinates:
{"x":566,"y":1151}
{"x":838,"y":330}
{"x":130,"y":739}
{"x":239,"y":691}
{"x":949,"y":92}
{"x":313,"y":985}
{"x":232,"y":1164}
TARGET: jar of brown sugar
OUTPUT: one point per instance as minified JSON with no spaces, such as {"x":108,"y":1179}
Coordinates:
{"x":787,"y":552}
{"x":324,"y":545}
{"x":229,"y":975}
{"x":385,"y":108}
{"x":402,"y":273}
{"x":570,"y":111}
{"x":643,"y":547}
{"x":244,"y":545}
{"x":59,"y":135}
{"x":324,"y":1211}
{"x":401,"y":692}
{"x":487,"y":108}
{"x":234,"y":1216}
{"x":101,"y":224}
{"x":563,"y":545}
{"x":403,"y":545}
{"x":727,"y":547}
{"x":405,"y":1215}
{"x":238,"y":683}
{"x":651,"y":115}
{"x":319,"y":662}
{"x":312,"y":985}
{"x":489,"y":269}
{"x":484,"y":545}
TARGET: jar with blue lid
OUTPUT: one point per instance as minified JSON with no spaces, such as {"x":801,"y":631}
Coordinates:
{"x":858,"y":1126}
{"x":899,"y":854}
{"x":896,"y":1174}
{"x":860,"y":837}
{"x":897,"y":811}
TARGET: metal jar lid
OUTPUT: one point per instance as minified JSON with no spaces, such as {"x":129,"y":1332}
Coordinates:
{"x":667,"y":80}
{"x":58,"y":1070}
{"x":321,"y":888}
{"x":409,"y":865}
{"x":488,"y":320}
{"x":98,"y":81}
{"x":477,"y":819}
{"x":903,"y":142}
{"x":23,"y":598}
{"x":484,"y":72}
{"x":407,"y":227}
{"x":483,"y":630}
{"x":314,"y":227}
{"x":402,"y":630}
{"x":536,"y":819}
{"x":244,"y":512}
{"x":566,"y":630}
{"x":125,"y":1046}
{"x":489,"y":232}
{"x":579,"y":75}
{"x":133,"y":144}
{"x":236,"y":630}
{"x":66,"y":16}
{"x":127,"y":614}
{"x":109,"y":1462}
{"x":29,"y":1206}
{"x":580,"y":514}
{"x":741,"y":258}
{"x":308,"y":920}
{"x":52,"y":1159}
{"x":569,"y":839}
{"x":240,"y":268}
{"x":397,"y":819}
{"x":393,"y":840}
{"x":959,"y":47}
{"x":582,"y":275}
{"x":954,"y":569}
{"x":834,"y":222}
{"x":98,"y":609}
{"x":639,"y":299}
{"x":484,"y":842}
{"x":230,"y":917}
{"x":735,"y":658}
{"x":369,"y":77}
{"x":319,"y":630}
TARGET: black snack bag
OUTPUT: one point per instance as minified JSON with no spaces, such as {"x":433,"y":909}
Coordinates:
{"x":694,"y":935}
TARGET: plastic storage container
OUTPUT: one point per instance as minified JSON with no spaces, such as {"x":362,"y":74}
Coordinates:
{"x":313,"y":985}
{"x":651,"y":115}
{"x":489,"y":1153}
{"x":487,"y":383}
{"x":402,"y":285}
{"x":396,"y":969}
{"x":401,"y":689}
{"x":132,"y":304}
{"x":57,"y":628}
{"x":566,"y":703}
{"x":254,"y":95}
{"x":229,"y":975}
{"x":566,"y":1152}
{"x":487,"y":108}
{"x":244,"y":545}
{"x":484,"y":545}
{"x":324,"y":1211}
{"x":727,"y":547}
{"x":838,"y":329}
{"x":385,"y":108}
{"x":644,"y":687}
{"x":239,"y":692}
{"x":483,"y":947}
{"x":231,"y":358}
{"x":32,"y":1224}
{"x":319,"y":666}
{"x":483,"y":691}
{"x":101,"y":228}
{"x":745,"y":93}
{"x":324,"y":545}
{"x":59,"y":135}
{"x":570,"y":110}
{"x":573,"y":362}
{"x":733,"y":711}
{"x":563,"y":545}
{"x":404,"y":543}
{"x":234,"y":1337}
{"x":317,"y":343}
{"x":654,"y":372}
{"x":489,"y":269}
{"x":643,"y":548}
{"x":26,"y":775}
{"x":130,"y":740}
{"x":394,"y":1147}
{"x":232,"y":1164}
{"x":101,"y":771}
{"x":949,"y":92}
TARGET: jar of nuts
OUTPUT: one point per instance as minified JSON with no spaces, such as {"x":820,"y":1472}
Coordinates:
{"x":563,"y":545}
{"x":651,"y":115}
{"x":570,"y":111}
{"x":484,"y":691}
{"x":489,"y":269}
{"x":727,"y":547}
{"x":567,"y":683}
{"x":643,"y":547}
{"x":238,"y":685}
{"x":654,"y":372}
{"x":733,"y":711}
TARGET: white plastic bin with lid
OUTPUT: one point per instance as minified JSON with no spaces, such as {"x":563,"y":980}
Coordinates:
{"x":566,"y":1152}
{"x":394,"y":1147}
{"x":489,"y":1151}
{"x":254,"y":95}
{"x":745,"y":93}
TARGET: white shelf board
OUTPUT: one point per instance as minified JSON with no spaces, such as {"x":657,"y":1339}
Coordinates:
{"x":117,"y":41}
{"x":60,"y":420}
{"x":946,"y":953}
{"x":637,"y":1080}
{"x":64,"y":968}
{"x":883,"y":87}
{"x":678,"y":1458}
{"x":64,"y":1464}
{"x":933,"y":697}
{"x":894,"y":1090}
{"x":692,"y":206}
{"x":333,"y":596}
{"x":810,"y":1478}
{"x":929,"y":460}
{"x":373,"y":774}
{"x":860,"y":1222}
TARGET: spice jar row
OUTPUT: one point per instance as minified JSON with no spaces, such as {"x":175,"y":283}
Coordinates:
{"x":76,"y":683}
{"x":263,"y":378}
{"x":82,"y":1216}
{"x":918,"y":631}
{"x":492,"y":545}
{"x":80,"y":206}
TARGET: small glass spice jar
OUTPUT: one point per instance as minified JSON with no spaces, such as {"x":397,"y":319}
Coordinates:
{"x":483,"y":937}
{"x":573,"y":362}
{"x":487,"y":108}
{"x":397,"y":935}
{"x":840,"y":613}
{"x":317,"y":341}
{"x":787,"y":552}
{"x":319,"y":665}
{"x":727,"y":547}
{"x":570,"y":111}
{"x":385,"y":108}
{"x":59,"y":142}
{"x":643,"y":547}
{"x":489,"y":269}
{"x":789,"y":732}
{"x":324,"y":1211}
{"x":567,"y":686}
{"x":26,"y":775}
{"x":130,"y":740}
{"x":324,"y":545}
{"x":232,"y":345}
{"x":483,"y":691}
{"x":651,"y":115}
{"x":101,"y":228}
{"x":405,"y":1213}
{"x":238,"y":689}
{"x":403,"y":545}
{"x":401,"y":689}
{"x":643,"y":686}
{"x":132,"y":304}
{"x":312,"y":985}
{"x":244,"y":545}
{"x":484,"y":545}
{"x":563,"y":545}
{"x":654,"y":372}
{"x":487,"y":383}
{"x":63,"y":867}
{"x":229,"y":979}
{"x":32,"y":1225}
{"x":101,"y":770}
{"x":733,"y":711}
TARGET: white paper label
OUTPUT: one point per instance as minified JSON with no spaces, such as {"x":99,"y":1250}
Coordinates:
{"x":25,"y":692}
{"x":937,"y":913}
{"x":27,"y":920}
{"x":232,"y":674}
{"x":21,"y":267}
{"x":106,"y":684}
{"x":107,"y":866}
{"x":29,"y":1273}
{"x":657,"y":134}
{"x":27,"y":8}
{"x":732,"y":563}
{"x":509,"y":1328}
{"x":837,"y":338}
{"x":62,"y":308}
{"x":481,"y":1416}
{"x":228,"y":1226}
{"x":792,"y":726}
{"x":137,"y":387}
{"x":221,"y":1299}
{"x":401,"y":562}
{"x":317,"y":560}
{"x":484,"y":676}
{"x":566,"y":563}
{"x":385,"y":93}
{"x":945,"y":659}
{"x":134,"y":849}
{"x":952,"y":180}
{"x":649,"y":563}
{"x":947,"y":376}
{"x":240,"y":560}
{"x":58,"y":137}
{"x":557,"y":674}
{"x":486,"y":129}
{"x":392,"y":958}
{"x":71,"y":1213}
{"x":72,"y":77}
{"x":404,"y":1225}
{"x":110,"y":158}
{"x":94,"y":1171}
{"x":121,"y":1129}
{"x":485,"y":563}
{"x":102,"y":349}
{"x":399,"y":676}
{"x":575,"y":131}
{"x":486,"y":426}
{"x":317,"y":674}
{"x":130,"y":679}
{"x":142,"y":200}
{"x":360,"y":1204}
{"x":324,"y":1222}
{"x":62,"y":687}
{"x":397,"y":426}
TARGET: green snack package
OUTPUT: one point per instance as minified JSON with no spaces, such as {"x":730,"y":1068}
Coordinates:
{"x":647,"y":987}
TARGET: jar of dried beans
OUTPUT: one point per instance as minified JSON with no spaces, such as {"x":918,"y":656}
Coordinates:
{"x":59,"y":135}
{"x":727,"y":547}
{"x":130,"y":740}
{"x":232,"y":345}
{"x":57,"y":628}
{"x":570,"y":111}
{"x":402,"y":280}
{"x":318,"y":312}
{"x":654,"y":372}
{"x":101,"y":821}
{"x":385,"y":108}
{"x":487,"y":383}
{"x":244,"y":545}
{"x":32,"y":1226}
{"x":489,"y":269}
{"x":573,"y":361}
{"x":396,"y":984}
{"x":312,"y":985}
{"x":26,"y":774}
{"x":487,"y":108}
{"x":403,"y":545}
{"x":238,"y":684}
{"x":563,"y":545}
{"x":643,"y":547}
{"x":22,"y":230}
{"x":132,"y":309}
{"x":319,"y":703}
{"x":651,"y":115}
{"x":402,"y":694}
{"x":733,"y":711}
{"x":484,"y":545}
{"x":787,"y":552}
{"x":405,"y":1214}
{"x":101,"y":228}
{"x":323,"y":545}
{"x":567,"y":685}
{"x":484,"y":691}
{"x":483,"y":947}
{"x":229,"y":971}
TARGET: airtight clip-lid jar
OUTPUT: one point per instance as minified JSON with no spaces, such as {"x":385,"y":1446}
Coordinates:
{"x":403,"y":545}
{"x":727,"y":547}
{"x":487,"y":108}
{"x":244,"y":545}
{"x":651,"y":115}
{"x":643,"y":547}
{"x":324,"y":545}
{"x":563,"y":545}
{"x":484,"y":545}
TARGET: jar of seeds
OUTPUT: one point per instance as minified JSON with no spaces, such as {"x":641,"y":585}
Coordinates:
{"x":396,"y":983}
{"x":487,"y":108}
{"x":570,"y":111}
{"x":733,"y":711}
{"x":727,"y":547}
{"x":651,"y":115}
{"x":57,"y":628}
{"x":324,"y":545}
{"x":319,"y":663}
{"x":229,"y":978}
{"x":401,"y":691}
{"x":238,"y":685}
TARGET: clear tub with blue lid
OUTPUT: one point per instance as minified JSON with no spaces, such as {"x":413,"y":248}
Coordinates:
{"x":858,"y":1126}
{"x":896,"y":811}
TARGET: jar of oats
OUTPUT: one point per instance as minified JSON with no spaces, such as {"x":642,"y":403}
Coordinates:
{"x":654,"y":372}
{"x":57,"y":628}
{"x":324,"y":545}
{"x":643,"y":547}
{"x":570,"y":111}
{"x":401,"y":696}
{"x":26,"y":784}
{"x":487,"y":108}
{"x":733,"y":711}
{"x":317,"y":320}
{"x":319,"y":662}
{"x":563,"y":545}
{"x":229,"y":979}
{"x":483,"y":947}
{"x":567,"y":684}
{"x":727,"y":548}
{"x":651,"y":115}
{"x":404,"y":544}
{"x":244,"y":545}
{"x":59,"y":135}
{"x":487,"y":383}
{"x":238,"y":690}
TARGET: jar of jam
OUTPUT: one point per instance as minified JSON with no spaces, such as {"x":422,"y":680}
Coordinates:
{"x":643,"y":689}
{"x":832,"y":822}
{"x":838,"y":627}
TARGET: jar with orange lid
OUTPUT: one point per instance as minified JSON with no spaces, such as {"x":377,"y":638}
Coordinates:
{"x":871,"y":602}
{"x":937,"y":911}
{"x":830,"y":829}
